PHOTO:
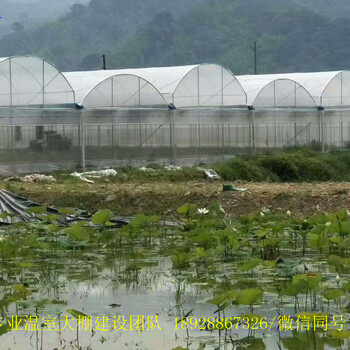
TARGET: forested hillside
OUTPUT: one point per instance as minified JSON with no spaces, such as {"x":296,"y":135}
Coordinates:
{"x":78,"y":38}
{"x":30,"y":13}
{"x":291,"y":35}
{"x":289,"y":38}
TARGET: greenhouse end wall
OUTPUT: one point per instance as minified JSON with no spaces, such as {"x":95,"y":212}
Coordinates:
{"x":209,"y":85}
{"x":265,"y":91}
{"x":31,"y":81}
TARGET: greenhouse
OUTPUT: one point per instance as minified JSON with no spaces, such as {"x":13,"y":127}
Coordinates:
{"x":206,"y":85}
{"x":33,"y":82}
{"x":270,"y":91}
{"x":329,"y":89}
{"x":107,"y":89}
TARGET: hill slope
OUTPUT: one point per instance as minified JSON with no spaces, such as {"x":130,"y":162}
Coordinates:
{"x":291,"y":35}
{"x":289,"y":39}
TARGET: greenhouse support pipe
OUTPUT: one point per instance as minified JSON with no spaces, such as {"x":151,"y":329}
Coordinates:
{"x":82,"y":144}
{"x":323,"y":132}
{"x":172,"y":138}
{"x":253,"y":130}
{"x":113,"y":142}
{"x":10,"y":69}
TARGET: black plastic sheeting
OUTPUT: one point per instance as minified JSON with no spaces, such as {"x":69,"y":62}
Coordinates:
{"x":18,"y":206}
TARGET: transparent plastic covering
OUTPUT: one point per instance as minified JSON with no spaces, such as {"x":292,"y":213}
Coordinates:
{"x":97,"y":90}
{"x":328,"y":89}
{"x":265,"y":91}
{"x":31,"y":81}
{"x":206,"y":85}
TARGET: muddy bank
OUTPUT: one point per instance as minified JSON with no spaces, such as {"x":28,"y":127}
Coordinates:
{"x":163,"y":198}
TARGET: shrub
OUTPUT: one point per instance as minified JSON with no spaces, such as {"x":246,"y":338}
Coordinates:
{"x":242,"y":169}
{"x":291,"y":165}
{"x":285,"y":166}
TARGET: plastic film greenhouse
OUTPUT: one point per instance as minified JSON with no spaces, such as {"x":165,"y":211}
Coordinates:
{"x":32,"y":81}
{"x":206,"y":85}
{"x":269,"y":91}
{"x":328,"y":89}
{"x":108,"y":89}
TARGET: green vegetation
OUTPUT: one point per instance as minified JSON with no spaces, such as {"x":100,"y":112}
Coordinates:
{"x":161,"y":192}
{"x":241,"y":267}
{"x":294,"y":165}
{"x":288,"y":166}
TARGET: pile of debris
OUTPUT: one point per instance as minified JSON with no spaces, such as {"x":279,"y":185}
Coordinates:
{"x":32,"y":178}
{"x":96,"y":174}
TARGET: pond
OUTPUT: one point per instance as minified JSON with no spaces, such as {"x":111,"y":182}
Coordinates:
{"x":204,"y":281}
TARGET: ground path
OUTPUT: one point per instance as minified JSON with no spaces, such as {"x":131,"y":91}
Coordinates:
{"x":162,"y":198}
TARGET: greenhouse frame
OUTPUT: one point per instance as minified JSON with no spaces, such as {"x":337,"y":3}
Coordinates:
{"x":329,"y":89}
{"x":28,"y":81}
{"x":204,"y":85}
{"x":268,"y":91}
{"x":99,"y":89}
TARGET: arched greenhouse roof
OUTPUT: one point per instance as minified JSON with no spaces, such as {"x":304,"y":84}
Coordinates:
{"x":272,"y":91}
{"x":29,"y":81}
{"x":104,"y":88}
{"x":328,"y":89}
{"x":204,"y":85}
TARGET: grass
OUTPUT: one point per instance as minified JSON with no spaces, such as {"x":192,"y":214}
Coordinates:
{"x":294,"y":165}
{"x":132,"y":174}
{"x":290,"y":165}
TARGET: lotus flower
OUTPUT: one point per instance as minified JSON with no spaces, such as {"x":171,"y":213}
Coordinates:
{"x":337,"y":279}
{"x":203,"y":211}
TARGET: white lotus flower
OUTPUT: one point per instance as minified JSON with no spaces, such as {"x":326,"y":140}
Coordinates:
{"x":265,"y":210}
{"x":337,"y":279}
{"x":203,"y":211}
{"x":289,"y":213}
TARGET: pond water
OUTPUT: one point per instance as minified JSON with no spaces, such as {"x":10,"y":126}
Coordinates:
{"x":262,"y":266}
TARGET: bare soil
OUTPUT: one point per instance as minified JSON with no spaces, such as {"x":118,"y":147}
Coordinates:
{"x":163,"y":198}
